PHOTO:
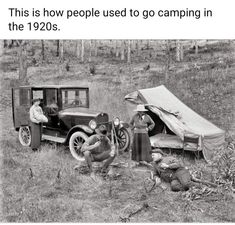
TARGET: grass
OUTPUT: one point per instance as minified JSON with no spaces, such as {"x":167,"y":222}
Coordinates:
{"x":44,"y":186}
{"x":55,"y":192}
{"x":43,"y":197}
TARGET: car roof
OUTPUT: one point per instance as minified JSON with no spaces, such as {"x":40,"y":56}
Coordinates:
{"x":52,"y":86}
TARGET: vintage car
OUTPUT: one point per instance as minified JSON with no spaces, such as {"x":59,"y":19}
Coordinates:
{"x":70,"y":121}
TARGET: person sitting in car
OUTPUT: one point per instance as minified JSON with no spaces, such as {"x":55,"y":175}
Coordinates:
{"x":53,"y":107}
{"x":77,"y":101}
{"x":97,"y":148}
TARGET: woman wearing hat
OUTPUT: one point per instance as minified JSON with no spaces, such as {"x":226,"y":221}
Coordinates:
{"x":36,"y":118}
{"x":141,"y":123}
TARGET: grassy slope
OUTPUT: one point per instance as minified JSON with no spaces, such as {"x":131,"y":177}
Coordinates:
{"x":204,"y":83}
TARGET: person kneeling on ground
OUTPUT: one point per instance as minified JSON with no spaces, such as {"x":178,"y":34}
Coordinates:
{"x":170,"y":170}
{"x":97,"y":148}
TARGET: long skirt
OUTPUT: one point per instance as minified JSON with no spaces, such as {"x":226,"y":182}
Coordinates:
{"x":141,"y":148}
{"x":35,"y":135}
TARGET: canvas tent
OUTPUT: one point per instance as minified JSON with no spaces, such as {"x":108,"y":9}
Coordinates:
{"x":178,"y":118}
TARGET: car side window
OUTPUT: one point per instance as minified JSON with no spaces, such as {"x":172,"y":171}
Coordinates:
{"x":74,"y":98}
{"x":51,"y":98}
{"x":22,"y":97}
{"x":38,"y":94}
{"x":83,"y":97}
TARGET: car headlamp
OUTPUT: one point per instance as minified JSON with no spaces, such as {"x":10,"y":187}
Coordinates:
{"x":116,"y":121}
{"x":93,"y":124}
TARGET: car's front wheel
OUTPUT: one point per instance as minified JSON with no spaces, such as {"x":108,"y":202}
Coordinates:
{"x":25,"y":136}
{"x":123,"y":139}
{"x":75,"y":143}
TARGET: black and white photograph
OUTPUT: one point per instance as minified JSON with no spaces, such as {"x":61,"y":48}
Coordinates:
{"x":117,"y":130}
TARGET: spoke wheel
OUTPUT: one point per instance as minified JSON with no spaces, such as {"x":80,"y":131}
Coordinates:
{"x":123,"y":139}
{"x":75,"y":143}
{"x":25,"y":136}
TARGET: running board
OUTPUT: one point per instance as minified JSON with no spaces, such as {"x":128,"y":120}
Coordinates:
{"x":52,"y":138}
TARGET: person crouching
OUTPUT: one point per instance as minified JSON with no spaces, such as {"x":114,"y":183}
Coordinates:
{"x":97,"y":148}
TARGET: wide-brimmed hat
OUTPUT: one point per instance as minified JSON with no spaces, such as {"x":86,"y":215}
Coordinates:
{"x":140,"y":108}
{"x":102,"y":129}
{"x":36,"y":100}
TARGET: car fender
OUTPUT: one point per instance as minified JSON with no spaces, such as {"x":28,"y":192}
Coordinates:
{"x":123,"y":124}
{"x":82,"y":128}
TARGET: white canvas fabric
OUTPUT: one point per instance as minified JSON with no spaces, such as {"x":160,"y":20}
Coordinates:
{"x":166,"y":141}
{"x":179,"y":117}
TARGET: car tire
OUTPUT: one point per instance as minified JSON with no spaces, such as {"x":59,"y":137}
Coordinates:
{"x":75,"y":143}
{"x":25,"y":136}
{"x":123,"y":139}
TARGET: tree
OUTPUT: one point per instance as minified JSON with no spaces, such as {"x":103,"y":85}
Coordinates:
{"x":117,"y":48}
{"x":61,"y":50}
{"x":148,"y":44}
{"x":137,"y":47}
{"x":168,"y":59}
{"x":78,"y":48}
{"x":90,"y":51}
{"x":23,"y":66}
{"x":57,"y":48}
{"x":43,"y":50}
{"x":96,"y":43}
{"x":129,"y":52}
{"x":123,"y":50}
{"x":82,"y":50}
{"x":196,"y":47}
{"x":179,"y":51}
{"x":1,"y":47}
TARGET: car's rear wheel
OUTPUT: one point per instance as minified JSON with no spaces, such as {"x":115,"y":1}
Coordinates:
{"x":123,"y":139}
{"x":75,"y":143}
{"x":25,"y":136}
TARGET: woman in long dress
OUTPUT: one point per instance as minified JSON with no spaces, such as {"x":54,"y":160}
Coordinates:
{"x":141,"y":123}
{"x":36,"y":119}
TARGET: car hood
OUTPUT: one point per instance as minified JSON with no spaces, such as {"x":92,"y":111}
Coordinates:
{"x":79,"y":111}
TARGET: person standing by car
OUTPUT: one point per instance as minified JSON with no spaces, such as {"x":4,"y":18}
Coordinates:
{"x":97,"y":148}
{"x":36,"y":119}
{"x":141,"y":123}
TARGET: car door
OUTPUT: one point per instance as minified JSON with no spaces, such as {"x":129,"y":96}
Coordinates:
{"x":21,"y":102}
{"x":51,"y":109}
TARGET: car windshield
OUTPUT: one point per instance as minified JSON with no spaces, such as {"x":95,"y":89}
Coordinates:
{"x":74,"y":98}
